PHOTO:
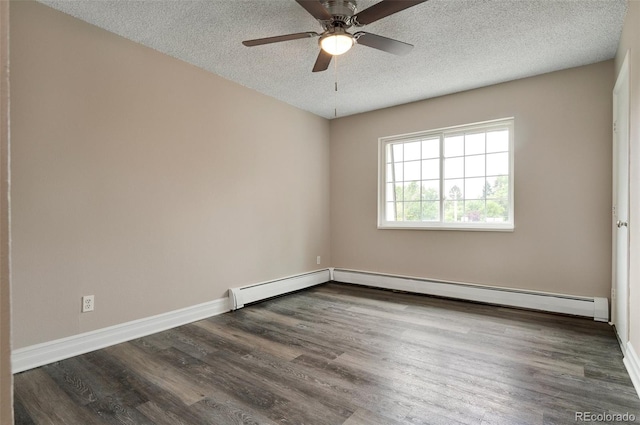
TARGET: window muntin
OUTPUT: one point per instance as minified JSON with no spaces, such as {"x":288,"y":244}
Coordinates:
{"x":454,"y":178}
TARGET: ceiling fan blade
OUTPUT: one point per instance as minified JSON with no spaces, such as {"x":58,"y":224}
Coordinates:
{"x":382,"y":10}
{"x":323,"y":61}
{"x":316,"y":9}
{"x":279,"y":38}
{"x":382,"y":43}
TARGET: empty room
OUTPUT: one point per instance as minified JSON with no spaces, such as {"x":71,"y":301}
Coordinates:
{"x":319,"y":212}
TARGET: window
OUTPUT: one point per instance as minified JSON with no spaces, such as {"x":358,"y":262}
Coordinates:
{"x":453,"y":178}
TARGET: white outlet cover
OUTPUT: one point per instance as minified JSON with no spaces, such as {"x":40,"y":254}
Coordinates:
{"x":88,"y":303}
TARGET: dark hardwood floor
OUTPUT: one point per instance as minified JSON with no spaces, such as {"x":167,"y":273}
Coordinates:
{"x":341,"y":354}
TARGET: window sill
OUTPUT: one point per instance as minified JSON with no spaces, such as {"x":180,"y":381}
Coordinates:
{"x":505,"y":227}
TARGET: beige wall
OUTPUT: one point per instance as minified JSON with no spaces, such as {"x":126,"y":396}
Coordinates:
{"x":562,"y":240}
{"x":630,"y":41}
{"x":147,"y":182}
{"x":6,"y":379}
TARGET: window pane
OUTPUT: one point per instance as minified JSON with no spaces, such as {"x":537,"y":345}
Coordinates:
{"x":431,"y":190}
{"x":497,"y":163}
{"x":412,"y":211}
{"x":398,"y":192}
{"x":454,"y":146}
{"x":474,"y":166}
{"x":474,"y":211}
{"x":431,"y":211}
{"x":453,"y":168}
{"x":474,"y":188}
{"x":498,"y":141}
{"x":497,"y":187}
{"x":411,"y":191}
{"x":412,"y":170}
{"x":398,"y":169}
{"x":389,"y":173}
{"x":390,"y":211}
{"x":412,"y":151}
{"x":389,"y":193}
{"x":474,"y":143}
{"x":431,"y":169}
{"x":453,"y":211}
{"x":399,"y":211}
{"x":454,"y":189}
{"x":431,"y":148}
{"x":397,"y":152}
{"x":497,"y":210}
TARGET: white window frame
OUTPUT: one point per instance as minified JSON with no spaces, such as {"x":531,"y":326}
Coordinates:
{"x":441,"y":133}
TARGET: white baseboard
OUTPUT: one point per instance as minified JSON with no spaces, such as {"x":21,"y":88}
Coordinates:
{"x":48,"y":352}
{"x":240,"y":296}
{"x":597,"y":308}
{"x":632,"y":363}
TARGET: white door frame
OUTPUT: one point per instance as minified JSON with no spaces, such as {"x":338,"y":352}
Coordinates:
{"x":620,"y":210}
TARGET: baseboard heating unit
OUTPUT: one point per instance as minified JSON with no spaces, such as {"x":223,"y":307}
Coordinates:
{"x":597,"y":308}
{"x":240,"y":296}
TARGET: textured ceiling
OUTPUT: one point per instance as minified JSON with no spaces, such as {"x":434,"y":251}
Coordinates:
{"x":459,"y":45}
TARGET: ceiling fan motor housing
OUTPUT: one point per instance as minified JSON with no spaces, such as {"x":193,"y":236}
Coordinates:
{"x":341,"y":10}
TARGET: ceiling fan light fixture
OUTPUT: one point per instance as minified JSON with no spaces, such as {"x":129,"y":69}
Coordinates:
{"x":337,"y":42}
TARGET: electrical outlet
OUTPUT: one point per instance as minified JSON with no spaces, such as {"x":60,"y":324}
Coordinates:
{"x":87,"y":303}
{"x":318,"y":259}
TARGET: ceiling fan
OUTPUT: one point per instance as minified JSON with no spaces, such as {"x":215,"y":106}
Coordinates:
{"x":336,"y":17}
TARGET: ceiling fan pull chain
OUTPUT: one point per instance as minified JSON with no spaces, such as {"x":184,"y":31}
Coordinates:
{"x":335,"y":70}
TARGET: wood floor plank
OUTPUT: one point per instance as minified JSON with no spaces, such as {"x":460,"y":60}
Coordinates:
{"x":356,"y":390}
{"x":484,"y":348}
{"x":140,"y":390}
{"x":366,"y":417}
{"x":70,"y":376}
{"x":231,"y":388}
{"x":20,"y":413}
{"x":456,"y":386}
{"x":404,"y":319}
{"x":342,"y":336}
{"x":248,"y":340}
{"x":167,"y":377}
{"x":342,"y":355}
{"x":47,"y":404}
{"x":228,"y":414}
{"x":160,"y":416}
{"x":118,"y":409}
{"x":92,"y":391}
{"x":273,"y":332}
{"x":299,"y":407}
{"x":446,"y":399}
{"x":300,"y":386}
